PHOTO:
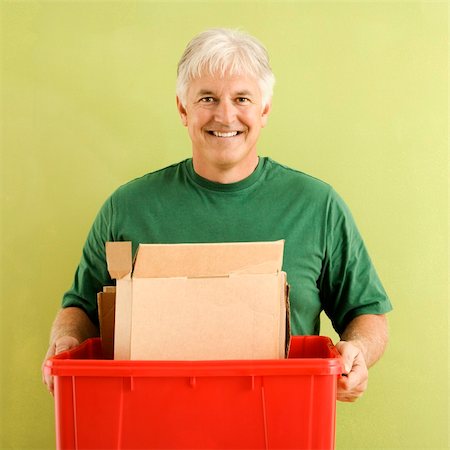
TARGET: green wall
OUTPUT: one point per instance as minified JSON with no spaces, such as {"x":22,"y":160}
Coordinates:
{"x":361,"y":101}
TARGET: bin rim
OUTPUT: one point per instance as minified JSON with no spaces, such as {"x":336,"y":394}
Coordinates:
{"x":64,"y":364}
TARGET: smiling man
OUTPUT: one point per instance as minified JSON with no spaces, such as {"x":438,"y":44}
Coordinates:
{"x":228,"y":193}
{"x":224,"y":117}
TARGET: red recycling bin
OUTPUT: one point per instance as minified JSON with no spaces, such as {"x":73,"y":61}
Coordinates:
{"x":246,"y":404}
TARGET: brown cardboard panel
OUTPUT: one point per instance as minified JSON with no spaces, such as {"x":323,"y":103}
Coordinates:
{"x":106,"y":313}
{"x":205,"y":260}
{"x":119,"y":259}
{"x":208,"y":318}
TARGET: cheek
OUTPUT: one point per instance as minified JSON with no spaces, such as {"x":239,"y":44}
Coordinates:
{"x":252,"y":119}
{"x":195,"y":128}
{"x":199,"y":120}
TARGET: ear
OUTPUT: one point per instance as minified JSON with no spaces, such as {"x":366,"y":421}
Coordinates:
{"x":182,"y":112}
{"x":265,"y":113}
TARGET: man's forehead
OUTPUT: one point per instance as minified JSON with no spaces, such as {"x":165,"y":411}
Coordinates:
{"x":238,"y":85}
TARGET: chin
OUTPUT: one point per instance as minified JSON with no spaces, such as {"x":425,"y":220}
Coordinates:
{"x":229,"y":156}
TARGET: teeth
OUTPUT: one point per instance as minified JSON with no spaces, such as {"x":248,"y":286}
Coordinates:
{"x":229,"y":134}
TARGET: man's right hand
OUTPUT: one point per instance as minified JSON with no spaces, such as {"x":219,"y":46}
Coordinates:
{"x":71,"y":327}
{"x":61,"y":344}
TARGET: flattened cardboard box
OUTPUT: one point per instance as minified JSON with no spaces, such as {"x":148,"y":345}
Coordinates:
{"x":199,"y":301}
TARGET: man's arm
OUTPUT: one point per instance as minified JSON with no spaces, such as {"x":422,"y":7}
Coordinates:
{"x":362,"y":344}
{"x":71,"y":327}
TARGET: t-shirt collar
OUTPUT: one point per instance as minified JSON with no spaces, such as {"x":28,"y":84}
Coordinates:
{"x":228,"y":187}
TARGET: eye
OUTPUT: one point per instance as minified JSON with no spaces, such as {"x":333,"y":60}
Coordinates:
{"x":207,"y":100}
{"x":243,"y":100}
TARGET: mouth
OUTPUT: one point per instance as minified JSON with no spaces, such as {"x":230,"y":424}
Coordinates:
{"x":224,"y":134}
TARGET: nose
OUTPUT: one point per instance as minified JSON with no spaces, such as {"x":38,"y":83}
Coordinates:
{"x":225,"y":112}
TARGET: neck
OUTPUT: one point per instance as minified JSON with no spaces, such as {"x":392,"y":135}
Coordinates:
{"x":225,"y":174}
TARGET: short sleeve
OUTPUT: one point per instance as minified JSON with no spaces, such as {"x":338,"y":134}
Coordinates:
{"x":349,"y":285}
{"x":92,"y":273}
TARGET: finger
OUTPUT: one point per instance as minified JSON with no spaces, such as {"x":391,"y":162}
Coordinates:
{"x":348,"y":354}
{"x":355,"y":377}
{"x":352,"y":386}
{"x":345,"y":395}
{"x":349,"y":396}
{"x":46,"y":378}
{"x":50,"y":385}
{"x":355,"y":385}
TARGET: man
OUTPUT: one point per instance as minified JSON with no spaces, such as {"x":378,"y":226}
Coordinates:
{"x":227,"y":193}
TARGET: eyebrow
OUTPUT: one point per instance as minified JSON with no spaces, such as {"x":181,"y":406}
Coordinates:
{"x":205,"y":92}
{"x":244,"y":93}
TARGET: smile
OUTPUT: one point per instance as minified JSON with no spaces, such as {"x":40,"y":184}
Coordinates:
{"x":224,"y":134}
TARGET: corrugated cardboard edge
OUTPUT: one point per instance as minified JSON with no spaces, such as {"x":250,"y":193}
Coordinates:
{"x":122,"y":329}
{"x":288,"y":320}
{"x":284,"y":329}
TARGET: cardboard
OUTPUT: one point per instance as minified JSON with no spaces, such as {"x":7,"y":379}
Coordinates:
{"x":106,"y":301}
{"x":199,"y":301}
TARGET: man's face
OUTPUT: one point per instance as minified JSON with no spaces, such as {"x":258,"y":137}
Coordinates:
{"x":224,"y":117}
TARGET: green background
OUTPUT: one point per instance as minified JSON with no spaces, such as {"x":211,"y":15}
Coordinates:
{"x":87,"y":103}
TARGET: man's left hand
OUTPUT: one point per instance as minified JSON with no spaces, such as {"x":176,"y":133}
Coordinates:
{"x":353,"y":384}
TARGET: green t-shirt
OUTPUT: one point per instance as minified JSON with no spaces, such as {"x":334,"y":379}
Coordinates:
{"x":325,"y":259}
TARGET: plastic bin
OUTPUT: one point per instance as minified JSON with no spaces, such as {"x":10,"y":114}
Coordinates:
{"x":265,"y":404}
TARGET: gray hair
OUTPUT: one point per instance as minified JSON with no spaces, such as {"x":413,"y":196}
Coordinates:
{"x":218,"y":51}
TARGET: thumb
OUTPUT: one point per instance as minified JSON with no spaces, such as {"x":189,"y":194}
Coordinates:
{"x":65,"y":343}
